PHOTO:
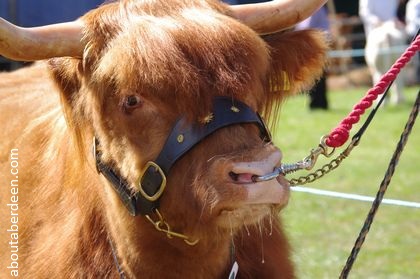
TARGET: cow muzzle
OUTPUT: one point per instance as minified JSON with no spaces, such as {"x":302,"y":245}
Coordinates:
{"x":234,"y":198}
{"x":272,"y":191}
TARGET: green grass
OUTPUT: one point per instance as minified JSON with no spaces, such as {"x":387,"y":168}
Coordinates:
{"x":323,"y":229}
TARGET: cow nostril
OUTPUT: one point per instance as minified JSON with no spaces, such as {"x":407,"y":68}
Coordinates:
{"x":234,"y":176}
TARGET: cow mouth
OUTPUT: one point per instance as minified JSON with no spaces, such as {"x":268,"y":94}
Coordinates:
{"x":242,"y":178}
{"x":275,"y":191}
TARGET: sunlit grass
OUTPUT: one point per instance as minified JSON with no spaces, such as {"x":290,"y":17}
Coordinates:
{"x":323,"y":229}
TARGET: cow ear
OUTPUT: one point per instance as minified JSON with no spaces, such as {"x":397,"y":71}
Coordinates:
{"x":297,"y":61}
{"x":66,"y":73}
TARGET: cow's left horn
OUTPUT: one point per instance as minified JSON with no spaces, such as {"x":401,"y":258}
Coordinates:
{"x":38,"y":43}
{"x":273,"y":16}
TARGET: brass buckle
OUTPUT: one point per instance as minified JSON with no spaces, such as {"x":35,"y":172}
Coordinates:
{"x":161,"y":187}
{"x":322,"y":149}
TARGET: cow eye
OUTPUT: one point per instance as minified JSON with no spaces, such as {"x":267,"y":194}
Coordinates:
{"x":131,"y":102}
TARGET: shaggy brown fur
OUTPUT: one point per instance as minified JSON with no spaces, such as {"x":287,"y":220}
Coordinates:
{"x":173,"y":57}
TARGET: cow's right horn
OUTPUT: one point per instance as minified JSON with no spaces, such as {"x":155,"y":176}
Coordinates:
{"x":38,"y":43}
{"x":273,"y":16}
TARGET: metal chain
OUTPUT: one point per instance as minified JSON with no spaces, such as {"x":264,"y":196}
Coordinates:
{"x":311,"y":177}
{"x":162,"y":226}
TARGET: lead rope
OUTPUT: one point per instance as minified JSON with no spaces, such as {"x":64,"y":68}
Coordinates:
{"x":117,"y":264}
{"x":333,"y":164}
{"x":340,"y":134}
{"x":382,"y":189}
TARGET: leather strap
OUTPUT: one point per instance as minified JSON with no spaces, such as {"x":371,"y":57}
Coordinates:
{"x":182,"y":138}
{"x":119,"y":184}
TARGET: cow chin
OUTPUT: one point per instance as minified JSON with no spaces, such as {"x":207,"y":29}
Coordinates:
{"x":243,"y":216}
{"x":262,"y":199}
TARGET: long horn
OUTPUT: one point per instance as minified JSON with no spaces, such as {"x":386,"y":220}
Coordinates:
{"x":273,"y":16}
{"x":38,"y":43}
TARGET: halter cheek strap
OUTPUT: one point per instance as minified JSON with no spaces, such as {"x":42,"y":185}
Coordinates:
{"x":183,"y":137}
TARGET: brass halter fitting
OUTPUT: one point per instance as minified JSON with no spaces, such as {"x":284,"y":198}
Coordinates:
{"x":322,"y":149}
{"x":309,"y":162}
{"x":306,"y":163}
{"x":326,"y":168}
{"x":162,"y":226}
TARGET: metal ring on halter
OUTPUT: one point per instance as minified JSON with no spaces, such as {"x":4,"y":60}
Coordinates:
{"x":276,"y":172}
{"x":284,"y":169}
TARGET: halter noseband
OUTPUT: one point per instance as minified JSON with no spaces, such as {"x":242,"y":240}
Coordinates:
{"x":183,"y":137}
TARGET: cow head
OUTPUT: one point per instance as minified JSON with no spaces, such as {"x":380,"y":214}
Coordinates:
{"x":143,"y":65}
